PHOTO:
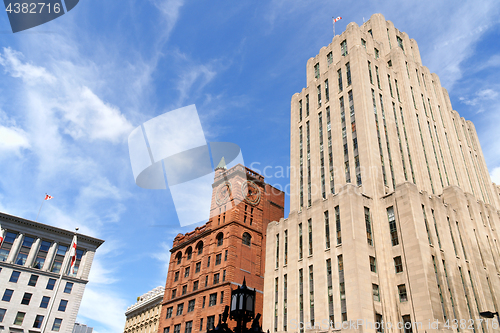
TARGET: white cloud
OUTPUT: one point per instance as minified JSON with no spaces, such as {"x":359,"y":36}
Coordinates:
{"x":480,"y":96}
{"x":13,"y":139}
{"x":495,"y":175}
{"x":163,"y":255}
{"x":30,"y":74}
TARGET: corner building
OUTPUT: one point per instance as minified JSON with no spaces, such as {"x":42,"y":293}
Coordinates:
{"x":208,"y":262}
{"x":394,"y":217}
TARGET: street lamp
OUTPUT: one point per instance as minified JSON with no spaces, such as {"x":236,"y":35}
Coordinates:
{"x":489,"y":315}
{"x":242,"y":306}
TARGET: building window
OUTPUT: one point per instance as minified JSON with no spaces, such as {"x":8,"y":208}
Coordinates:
{"x":169,"y":312}
{"x":370,"y":72}
{"x":191,"y":305}
{"x":2,"y":314}
{"x":220,"y":239}
{"x":166,"y":330}
{"x":62,"y":305}
{"x":327,"y":91}
{"x":58,"y":260}
{"x":197,"y":267}
{"x":212,"y":300}
{"x":370,"y":32}
{"x":26,"y":299}
{"x":14,"y":276}
{"x":392,"y":226}
{"x":223,"y":275}
{"x":407,"y":324}
{"x":199,"y":247}
{"x":277,"y":251}
{"x":378,"y":77}
{"x":19,"y":318}
{"x":184,"y":289}
{"x":348,"y":73}
{"x":189,"y":253}
{"x":210,"y":322}
{"x":186,"y":271}
{"x":24,"y":250}
{"x":329,"y":58}
{"x":400,"y":43}
{"x":221,"y":297}
{"x":176,"y":276}
{"x":379,"y":327}
{"x":307,"y":105}
{"x":216,"y":278}
{"x":286,"y":248}
{"x":343,"y":48}
{"x":368,"y":223}
{"x":189,"y":326}
{"x":311,"y":294}
{"x":309,"y":229}
{"x":195,"y":285}
{"x":339,"y":74}
{"x":403,"y":297}
{"x":300,"y":241}
{"x":338,"y":226}
{"x":38,"y":321}
{"x":69,"y":286}
{"x":7,"y":245}
{"x":398,"y":264}
{"x":180,"y":309}
{"x":203,"y":302}
{"x":208,"y":261}
{"x":376,"y":54}
{"x":327,"y":230}
{"x":42,"y":254}
{"x":206,"y":280}
{"x":174,"y":293}
{"x":376,"y":292}
{"x":33,"y":280}
{"x":177,"y":328}
{"x":45,"y":302}
{"x":201,"y":324}
{"x":316,"y":71}
{"x":225,"y":255}
{"x":246,"y":239}
{"x":363,"y":42}
{"x":57,"y":324}
{"x":7,"y":295}
{"x":319,"y":95}
{"x":373,"y":264}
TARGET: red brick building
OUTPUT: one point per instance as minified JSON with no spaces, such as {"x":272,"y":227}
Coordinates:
{"x":207,"y":263}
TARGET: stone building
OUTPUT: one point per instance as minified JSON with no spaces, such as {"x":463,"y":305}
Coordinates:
{"x":393,"y":215}
{"x":31,"y":258}
{"x":144,"y":315}
{"x":208,"y":262}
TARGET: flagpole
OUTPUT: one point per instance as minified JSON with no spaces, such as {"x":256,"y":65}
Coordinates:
{"x":333,"y":19}
{"x":39,"y":210}
{"x":52,"y":301}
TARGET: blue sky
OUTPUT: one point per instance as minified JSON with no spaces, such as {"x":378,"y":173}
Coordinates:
{"x":73,"y":89}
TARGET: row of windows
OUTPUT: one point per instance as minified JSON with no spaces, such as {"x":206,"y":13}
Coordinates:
{"x":42,"y":252}
{"x":212,"y":300}
{"x":187,"y":270}
{"x":38,"y":320}
{"x":14,"y":278}
{"x":188,"y":326}
{"x":246,"y":239}
{"x":7,"y":296}
{"x":216,"y":280}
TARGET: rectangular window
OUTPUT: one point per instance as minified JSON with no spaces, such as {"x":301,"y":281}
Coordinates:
{"x":206,"y":280}
{"x":62,"y":305}
{"x":403,"y":297}
{"x":186,"y":271}
{"x":300,"y":241}
{"x":327,"y":230}
{"x":225,"y":255}
{"x":201,"y":324}
{"x":58,"y":260}
{"x":373,"y":264}
{"x":327,"y":91}
{"x":184,"y":290}
{"x":42,"y":254}
{"x":398,"y":264}
{"x":329,"y":58}
{"x":212,"y":300}
{"x":2,"y":314}
{"x":216,"y":278}
{"x":166,"y":330}
{"x":319,"y":95}
{"x":203,"y":302}
{"x":197,"y":267}
{"x":45,"y":302}
{"x":277,"y":250}
{"x":176,"y":276}
{"x":10,"y":237}
{"x":180,"y":309}
{"x":14,"y":277}
{"x":407,"y":324}
{"x":223,"y":275}
{"x":174,"y":293}
{"x":24,"y":250}
{"x":368,"y":223}
{"x":309,"y":229}
{"x":392,"y":226}
{"x":19,"y":318}
{"x":390,"y":85}
{"x":348,"y":74}
{"x":378,"y":78}
{"x":286,"y":248}
{"x":26,"y":299}
{"x":316,"y":71}
{"x":343,"y":48}
{"x":300,"y":110}
{"x":38,"y":321}
{"x":218,"y":259}
{"x":370,"y":72}
{"x":330,"y":291}
{"x":210,"y":322}
{"x":311,"y":294}
{"x":339,"y":74}
{"x":208,"y":261}
{"x":33,"y":280}
{"x":170,"y":310}
{"x":7,"y":295}
{"x":400,"y":43}
{"x":338,"y":226}
{"x":377,"y":55}
{"x":307,"y":105}
{"x":177,"y":328}
{"x":57,"y":324}
{"x":376,"y":292}
{"x":191,"y":305}
{"x":189,"y":326}
{"x":363,"y":42}
{"x":195,"y":285}
{"x":221,"y":297}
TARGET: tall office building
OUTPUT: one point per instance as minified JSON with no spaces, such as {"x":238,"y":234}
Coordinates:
{"x":31,"y":258}
{"x":208,"y":262}
{"x":393,"y":215}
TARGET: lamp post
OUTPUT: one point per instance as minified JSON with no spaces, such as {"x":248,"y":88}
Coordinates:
{"x":489,"y":315}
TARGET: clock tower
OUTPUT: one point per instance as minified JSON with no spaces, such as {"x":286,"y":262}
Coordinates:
{"x":208,"y":262}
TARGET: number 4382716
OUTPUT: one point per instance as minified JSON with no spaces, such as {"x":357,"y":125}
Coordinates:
{"x":32,"y":8}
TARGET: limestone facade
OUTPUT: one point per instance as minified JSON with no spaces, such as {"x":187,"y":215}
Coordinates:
{"x":144,"y":315}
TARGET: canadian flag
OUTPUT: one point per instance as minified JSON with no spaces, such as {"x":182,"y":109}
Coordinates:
{"x":48,"y":197}
{"x":72,"y":256}
{"x":2,"y":235}
{"x":337,"y":19}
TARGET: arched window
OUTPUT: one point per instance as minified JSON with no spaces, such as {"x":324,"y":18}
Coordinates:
{"x":220,"y":239}
{"x":189,"y":252}
{"x":246,"y":239}
{"x":199,"y":247}
{"x":178,"y":257}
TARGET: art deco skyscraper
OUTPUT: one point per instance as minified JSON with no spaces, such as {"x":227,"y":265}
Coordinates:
{"x":393,"y":215}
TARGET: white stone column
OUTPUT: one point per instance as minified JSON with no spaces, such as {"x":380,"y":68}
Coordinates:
{"x":15,"y":248}
{"x":32,"y":253}
{"x":50,"y":257}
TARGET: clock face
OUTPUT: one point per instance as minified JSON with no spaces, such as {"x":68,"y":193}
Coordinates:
{"x":223,"y":193}
{"x":251,"y":192}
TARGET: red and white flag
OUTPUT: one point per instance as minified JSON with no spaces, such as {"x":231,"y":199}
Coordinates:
{"x":72,"y":256}
{"x":2,"y":235}
{"x":48,"y":197}
{"x":337,"y":19}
